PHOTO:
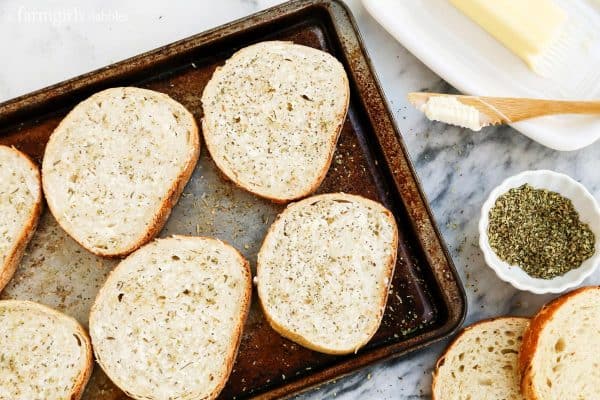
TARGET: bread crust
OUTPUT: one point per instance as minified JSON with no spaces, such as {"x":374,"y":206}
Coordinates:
{"x":390,"y":266}
{"x":163,"y":211}
{"x":532,"y":336}
{"x":454,"y":341}
{"x":7,"y":270}
{"x":245,"y":309}
{"x":323,"y":171}
{"x":84,"y":377}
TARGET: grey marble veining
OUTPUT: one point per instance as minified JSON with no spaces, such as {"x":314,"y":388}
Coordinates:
{"x":457,"y":168}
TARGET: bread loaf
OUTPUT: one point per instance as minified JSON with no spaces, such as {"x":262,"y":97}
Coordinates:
{"x":560,"y":357}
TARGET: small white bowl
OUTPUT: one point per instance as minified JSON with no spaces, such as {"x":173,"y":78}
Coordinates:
{"x":584,"y":203}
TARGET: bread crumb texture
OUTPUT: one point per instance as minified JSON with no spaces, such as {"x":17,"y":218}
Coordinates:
{"x":166,"y":323}
{"x":482,"y":363}
{"x":325,"y":268}
{"x":566,"y":360}
{"x":272,"y":115}
{"x":110,"y":165}
{"x":43,"y":355}
{"x":19,"y":195}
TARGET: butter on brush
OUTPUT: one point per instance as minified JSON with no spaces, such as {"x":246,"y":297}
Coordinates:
{"x":531,"y":29}
{"x":451,"y":111}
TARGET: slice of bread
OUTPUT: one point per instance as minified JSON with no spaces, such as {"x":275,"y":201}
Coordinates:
{"x":20,"y":208}
{"x":168,"y":321}
{"x":560,"y":357}
{"x":482,"y":362}
{"x":272,"y":117}
{"x":324,"y":270}
{"x":116,"y":165}
{"x":45,"y":354}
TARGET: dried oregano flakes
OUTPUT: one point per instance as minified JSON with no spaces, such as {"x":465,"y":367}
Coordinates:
{"x":539,"y":231}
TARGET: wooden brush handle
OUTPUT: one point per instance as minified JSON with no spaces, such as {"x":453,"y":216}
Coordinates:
{"x":519,"y":109}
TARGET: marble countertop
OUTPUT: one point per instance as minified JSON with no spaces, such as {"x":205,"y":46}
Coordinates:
{"x":44,"y":42}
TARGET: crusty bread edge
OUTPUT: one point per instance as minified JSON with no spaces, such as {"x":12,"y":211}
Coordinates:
{"x":7,"y":270}
{"x":245,"y":309}
{"x":164,"y":210}
{"x":246,"y":301}
{"x":532,"y":337}
{"x":391,"y":264}
{"x":333,"y":144}
{"x":85,"y":375}
{"x":454,"y":341}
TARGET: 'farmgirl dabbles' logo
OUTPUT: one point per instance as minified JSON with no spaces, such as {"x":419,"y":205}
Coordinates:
{"x":65,"y":16}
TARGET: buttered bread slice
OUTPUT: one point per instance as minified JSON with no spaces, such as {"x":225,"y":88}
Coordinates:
{"x":324,"y":270}
{"x":272,"y":117}
{"x":116,"y":165}
{"x":20,"y":208}
{"x":168,"y":321}
{"x":45,"y":354}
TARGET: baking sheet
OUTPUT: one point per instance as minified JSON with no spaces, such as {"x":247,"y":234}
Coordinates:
{"x":426,"y":302}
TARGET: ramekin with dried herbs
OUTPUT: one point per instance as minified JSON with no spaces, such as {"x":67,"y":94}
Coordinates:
{"x":540,"y":231}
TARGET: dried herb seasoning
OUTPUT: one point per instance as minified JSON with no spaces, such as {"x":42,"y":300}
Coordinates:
{"x":539,"y":231}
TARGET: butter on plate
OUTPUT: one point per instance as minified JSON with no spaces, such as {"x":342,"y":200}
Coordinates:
{"x":532,"y":29}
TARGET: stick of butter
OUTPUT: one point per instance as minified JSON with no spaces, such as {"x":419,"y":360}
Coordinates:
{"x":529,"y":28}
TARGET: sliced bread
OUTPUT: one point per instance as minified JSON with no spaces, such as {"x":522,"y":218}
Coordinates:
{"x":324,"y":270}
{"x":20,"y":208}
{"x":560,"y":357}
{"x":45,"y":354}
{"x":482,"y":362}
{"x":168,"y":321}
{"x":116,"y":165}
{"x":272,"y":117}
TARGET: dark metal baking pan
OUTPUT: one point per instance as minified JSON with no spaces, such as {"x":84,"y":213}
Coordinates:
{"x":427,"y":301}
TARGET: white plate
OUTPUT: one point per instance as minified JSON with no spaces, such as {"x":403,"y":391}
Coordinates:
{"x":471,"y":60}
